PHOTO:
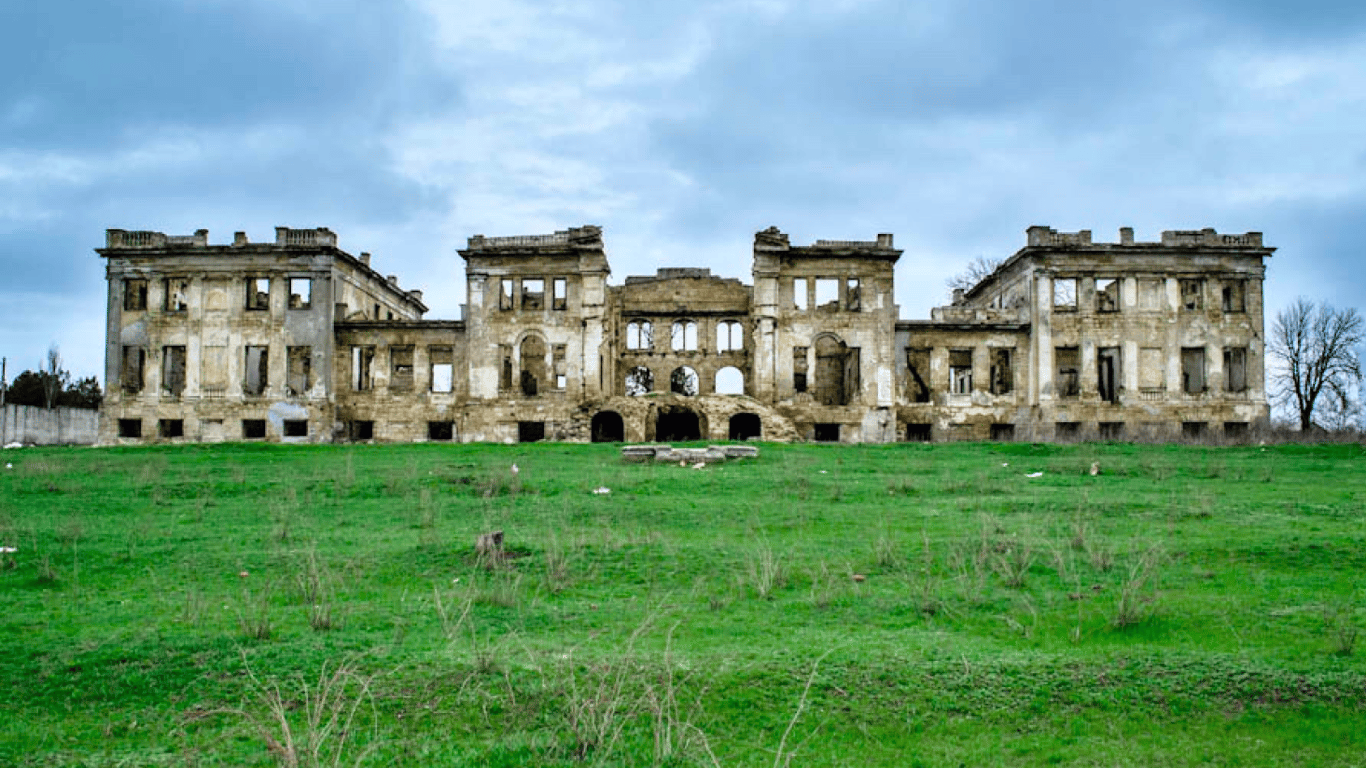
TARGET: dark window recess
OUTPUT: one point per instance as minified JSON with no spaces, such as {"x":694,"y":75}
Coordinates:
{"x":131,"y":371}
{"x":177,"y":298}
{"x":918,"y":433}
{"x":826,"y":433}
{"x":257,"y":370}
{"x":1067,"y":430}
{"x":1003,"y":432}
{"x":130,"y":427}
{"x":171,"y":428}
{"x":441,"y":430}
{"x":1235,"y":430}
{"x":1108,"y":374}
{"x":134,"y":295}
{"x":1067,"y":380}
{"x":1193,"y":370}
{"x":360,"y":430}
{"x":1111,"y":430}
{"x":745,"y":426}
{"x":1194,"y":430}
{"x":296,"y":428}
{"x":608,"y":427}
{"x":1235,"y":369}
{"x":530,"y":431}
{"x":918,"y":374}
{"x":1002,"y":375}
{"x":173,"y":370}
{"x":253,"y":429}
{"x":258,"y":293}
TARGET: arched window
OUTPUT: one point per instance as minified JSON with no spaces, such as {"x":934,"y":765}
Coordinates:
{"x":684,"y":336}
{"x":683,"y":381}
{"x":730,"y":336}
{"x":730,"y":381}
{"x":639,"y":380}
{"x":640,"y":335}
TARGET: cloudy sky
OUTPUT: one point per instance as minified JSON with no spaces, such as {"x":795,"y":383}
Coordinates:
{"x":681,"y":128}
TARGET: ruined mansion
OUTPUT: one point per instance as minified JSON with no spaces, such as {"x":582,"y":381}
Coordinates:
{"x":297,"y":340}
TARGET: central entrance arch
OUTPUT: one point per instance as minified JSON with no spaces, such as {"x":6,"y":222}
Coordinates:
{"x":608,"y":428}
{"x":675,"y":423}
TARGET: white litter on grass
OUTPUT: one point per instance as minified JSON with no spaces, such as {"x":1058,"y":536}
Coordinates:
{"x":1034,"y":474}
{"x":8,"y":550}
{"x":699,"y":465}
{"x":822,"y":471}
{"x":13,"y":445}
{"x":9,"y":465}
{"x":1005,"y":463}
{"x":601,"y":490}
{"x":515,"y":470}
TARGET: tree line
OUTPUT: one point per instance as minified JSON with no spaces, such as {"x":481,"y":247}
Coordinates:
{"x":52,"y":386}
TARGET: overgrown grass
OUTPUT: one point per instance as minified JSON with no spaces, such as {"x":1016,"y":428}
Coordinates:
{"x":823,"y":605}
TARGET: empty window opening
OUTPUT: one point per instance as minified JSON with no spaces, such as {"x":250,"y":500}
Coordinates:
{"x":1235,"y":296}
{"x":505,"y":367}
{"x":639,"y":380}
{"x":390,"y":315}
{"x":173,"y":370}
{"x":177,"y":294}
{"x":530,"y":431}
{"x":533,"y":293}
{"x":684,"y":336}
{"x":359,"y":430}
{"x":130,"y":372}
{"x":533,"y":374}
{"x":134,"y":295}
{"x":853,"y":295}
{"x":827,"y":293}
{"x":1065,"y":293}
{"x":559,"y":293}
{"x":171,"y":428}
{"x":1235,"y":369}
{"x":745,"y":426}
{"x":919,"y":433}
{"x":1067,"y":380}
{"x":1111,"y":430}
{"x":401,"y":368}
{"x":607,"y":427}
{"x":730,"y":381}
{"x":1192,"y":295}
{"x":130,"y":427}
{"x":1067,"y":430}
{"x":799,"y":297}
{"x":1152,"y":377}
{"x":1108,"y":374}
{"x":257,"y":370}
{"x":559,"y":360}
{"x":300,"y":293}
{"x":505,"y":293}
{"x":799,"y":369}
{"x":375,"y":315}
{"x":362,"y":365}
{"x":825,"y":432}
{"x":918,"y":374}
{"x":443,"y":369}
{"x":1003,"y":432}
{"x":253,"y":429}
{"x":730,"y":336}
{"x":837,"y":371}
{"x":1235,"y":430}
{"x":683,"y":381}
{"x":300,"y":374}
{"x":675,"y":423}
{"x":441,"y":430}
{"x":296,"y":428}
{"x":1194,"y":430}
{"x":640,"y":334}
{"x":258,"y":293}
{"x":1193,"y":370}
{"x":1107,"y":295}
{"x":1002,"y":374}
{"x":960,"y":371}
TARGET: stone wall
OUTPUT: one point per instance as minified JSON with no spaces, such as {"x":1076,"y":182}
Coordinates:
{"x":38,"y":426}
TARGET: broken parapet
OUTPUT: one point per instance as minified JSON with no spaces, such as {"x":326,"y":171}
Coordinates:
{"x":712,"y":453}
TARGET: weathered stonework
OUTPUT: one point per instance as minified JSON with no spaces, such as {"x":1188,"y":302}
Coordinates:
{"x":298,"y":340}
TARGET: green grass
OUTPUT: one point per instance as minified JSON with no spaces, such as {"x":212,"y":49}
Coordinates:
{"x":821,"y":606}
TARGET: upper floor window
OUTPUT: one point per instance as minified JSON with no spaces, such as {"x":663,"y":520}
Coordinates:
{"x":300,"y":293}
{"x":960,"y":371}
{"x":853,"y":298}
{"x":799,"y":294}
{"x":1193,"y":295}
{"x":505,"y":288}
{"x":684,"y":336}
{"x":1107,"y":294}
{"x":177,"y":294}
{"x":640,"y":335}
{"x":134,"y":295}
{"x":559,"y":293}
{"x":730,"y":336}
{"x":533,"y":293}
{"x":827,"y":293}
{"x":1065,"y":293}
{"x":258,"y":293}
{"x":1235,"y":296}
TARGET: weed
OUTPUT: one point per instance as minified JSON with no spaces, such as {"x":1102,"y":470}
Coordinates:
{"x":766,"y":573}
{"x":316,"y":590}
{"x":556,"y":562}
{"x":253,"y":614}
{"x":1012,"y":560}
{"x":886,"y":553}
{"x":1340,"y":624}
{"x":1137,"y":593}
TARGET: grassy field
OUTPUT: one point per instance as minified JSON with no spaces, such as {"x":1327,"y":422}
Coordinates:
{"x":820,"y":606}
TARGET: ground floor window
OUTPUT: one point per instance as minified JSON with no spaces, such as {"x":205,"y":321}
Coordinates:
{"x":253,"y":429}
{"x":130,"y":427}
{"x":1003,"y":432}
{"x":1067,"y":430}
{"x":918,"y":433}
{"x":826,"y":433}
{"x":530,"y":431}
{"x":1112,"y":430}
{"x":296,"y":428}
{"x":441,"y":430}
{"x":171,"y":428}
{"x":360,"y":430}
{"x":745,"y":426}
{"x":1235,"y":430}
{"x":1194,"y":430}
{"x":607,"y":427}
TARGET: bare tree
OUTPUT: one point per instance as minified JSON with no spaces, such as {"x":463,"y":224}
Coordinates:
{"x":1317,"y":349}
{"x":54,"y":378}
{"x":976,"y":270}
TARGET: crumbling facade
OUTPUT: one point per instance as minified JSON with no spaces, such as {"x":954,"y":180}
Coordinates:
{"x":299,"y":341}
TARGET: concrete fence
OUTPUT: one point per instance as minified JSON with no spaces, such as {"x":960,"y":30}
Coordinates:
{"x":39,"y":426}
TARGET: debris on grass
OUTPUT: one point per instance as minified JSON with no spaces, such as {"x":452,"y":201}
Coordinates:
{"x":1034,"y":474}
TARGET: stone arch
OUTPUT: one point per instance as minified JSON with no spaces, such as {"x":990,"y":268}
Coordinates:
{"x":683,"y":335}
{"x":837,"y":371}
{"x":730,"y":381}
{"x":608,"y":427}
{"x":639,"y":380}
{"x":531,"y":354}
{"x":678,"y":423}
{"x":684,"y":381}
{"x":745,"y":426}
{"x":730,"y":336}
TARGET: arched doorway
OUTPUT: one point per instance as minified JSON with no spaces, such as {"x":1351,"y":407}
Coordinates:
{"x":608,"y":428}
{"x":730,"y":381}
{"x":745,"y":426}
{"x":674,"y":423}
